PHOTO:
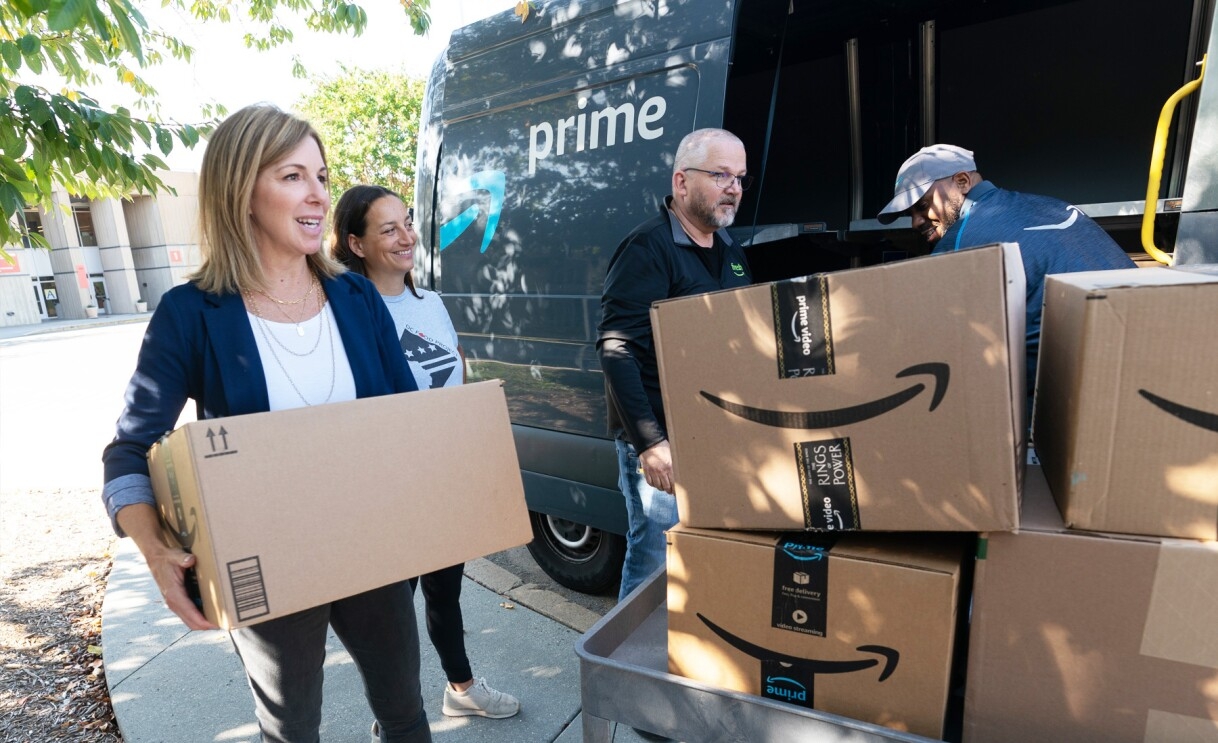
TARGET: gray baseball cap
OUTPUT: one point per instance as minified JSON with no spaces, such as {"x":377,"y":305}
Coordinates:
{"x":923,"y":168}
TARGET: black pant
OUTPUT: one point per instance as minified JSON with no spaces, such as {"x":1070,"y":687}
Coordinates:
{"x":442,"y":594}
{"x":284,"y":661}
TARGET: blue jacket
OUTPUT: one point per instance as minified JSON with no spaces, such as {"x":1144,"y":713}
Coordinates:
{"x":1053,"y":237}
{"x":200,"y":346}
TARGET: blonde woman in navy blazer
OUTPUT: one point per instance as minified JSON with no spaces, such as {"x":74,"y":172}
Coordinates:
{"x":270,"y":322}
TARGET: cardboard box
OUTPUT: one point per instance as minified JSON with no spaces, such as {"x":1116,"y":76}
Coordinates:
{"x":1091,"y":637}
{"x":859,"y":625}
{"x":885,"y":398}
{"x":295,"y":508}
{"x":1126,"y":422}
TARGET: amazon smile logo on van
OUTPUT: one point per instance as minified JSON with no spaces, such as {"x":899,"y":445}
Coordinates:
{"x":1198,"y":418}
{"x":493,"y":184}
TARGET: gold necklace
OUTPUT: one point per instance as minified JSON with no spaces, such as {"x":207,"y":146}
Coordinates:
{"x":282,"y":310}
{"x":300,"y":331}
{"x":309,"y":293}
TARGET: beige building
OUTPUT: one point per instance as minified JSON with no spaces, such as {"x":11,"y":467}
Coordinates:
{"x":107,"y":256}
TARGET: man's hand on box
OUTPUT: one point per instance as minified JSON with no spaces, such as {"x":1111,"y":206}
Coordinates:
{"x":168,"y":564}
{"x":657,"y":467}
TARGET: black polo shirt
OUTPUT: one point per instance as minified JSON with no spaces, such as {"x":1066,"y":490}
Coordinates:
{"x":657,"y":260}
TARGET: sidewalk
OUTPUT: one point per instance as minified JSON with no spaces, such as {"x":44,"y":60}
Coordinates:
{"x":170,"y":685}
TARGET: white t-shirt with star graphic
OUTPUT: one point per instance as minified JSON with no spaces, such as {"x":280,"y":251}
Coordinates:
{"x":428,"y":338}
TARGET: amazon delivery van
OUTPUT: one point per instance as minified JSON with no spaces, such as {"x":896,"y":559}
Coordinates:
{"x":543,"y":141}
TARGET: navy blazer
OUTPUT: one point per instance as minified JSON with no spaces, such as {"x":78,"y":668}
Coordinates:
{"x":201,"y":346}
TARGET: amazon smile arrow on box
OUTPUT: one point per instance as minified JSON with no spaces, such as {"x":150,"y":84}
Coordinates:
{"x":862,"y":625}
{"x":885,"y":398}
{"x":1126,"y":421}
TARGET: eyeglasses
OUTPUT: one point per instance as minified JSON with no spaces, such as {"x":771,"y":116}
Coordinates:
{"x":725,"y":180}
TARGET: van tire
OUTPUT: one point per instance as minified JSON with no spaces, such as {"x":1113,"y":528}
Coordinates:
{"x":577,"y":556}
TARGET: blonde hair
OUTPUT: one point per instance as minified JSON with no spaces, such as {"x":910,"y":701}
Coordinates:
{"x":241,"y":147}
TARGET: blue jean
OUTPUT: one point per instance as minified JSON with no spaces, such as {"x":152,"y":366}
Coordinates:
{"x":283,"y":661}
{"x":649,"y":512}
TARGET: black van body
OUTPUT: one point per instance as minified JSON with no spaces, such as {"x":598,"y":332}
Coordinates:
{"x":544,"y":142}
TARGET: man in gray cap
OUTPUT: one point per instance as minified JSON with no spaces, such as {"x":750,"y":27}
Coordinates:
{"x":953,"y":207}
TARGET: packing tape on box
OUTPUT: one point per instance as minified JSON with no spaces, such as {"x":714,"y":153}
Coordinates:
{"x":1180,"y":620}
{"x":1167,"y":727}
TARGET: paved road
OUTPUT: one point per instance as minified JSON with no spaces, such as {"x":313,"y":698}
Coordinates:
{"x":60,"y":394}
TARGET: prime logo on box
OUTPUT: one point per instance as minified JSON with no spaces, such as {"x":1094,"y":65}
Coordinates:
{"x":793,"y":679}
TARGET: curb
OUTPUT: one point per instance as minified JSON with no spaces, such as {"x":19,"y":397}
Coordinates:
{"x":547,"y":603}
{"x":16,"y":332}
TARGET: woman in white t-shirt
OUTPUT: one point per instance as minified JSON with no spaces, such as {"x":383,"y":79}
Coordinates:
{"x":374,"y":236}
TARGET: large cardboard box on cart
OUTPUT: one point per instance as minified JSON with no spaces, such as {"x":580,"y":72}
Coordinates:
{"x":1086,"y":636}
{"x":1126,"y":422}
{"x":884,"y":398}
{"x":861,"y":625}
{"x":295,"y":508}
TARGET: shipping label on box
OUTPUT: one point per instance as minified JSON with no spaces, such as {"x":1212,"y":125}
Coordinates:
{"x":858,"y":625}
{"x":884,"y":398}
{"x":1126,"y":421}
{"x":295,"y":508}
{"x":1091,"y":637}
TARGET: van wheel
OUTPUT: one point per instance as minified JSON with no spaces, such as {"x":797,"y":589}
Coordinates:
{"x":576,"y":555}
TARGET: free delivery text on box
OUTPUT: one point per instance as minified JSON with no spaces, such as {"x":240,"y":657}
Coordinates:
{"x":861,"y":625}
{"x":1091,"y":637}
{"x":1126,"y":422}
{"x":884,"y":398}
{"x":291,"y":509}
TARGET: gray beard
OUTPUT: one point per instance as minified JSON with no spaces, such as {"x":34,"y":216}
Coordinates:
{"x":704,"y":212}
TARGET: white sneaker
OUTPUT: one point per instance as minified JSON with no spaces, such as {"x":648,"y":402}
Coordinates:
{"x":376,"y":732}
{"x":479,"y":699}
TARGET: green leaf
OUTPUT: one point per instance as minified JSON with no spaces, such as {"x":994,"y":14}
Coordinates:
{"x":93,"y":50}
{"x":164,"y":140}
{"x":154,"y":162}
{"x":144,"y":133}
{"x":39,"y":112}
{"x":66,"y":15}
{"x":98,"y":22}
{"x":24,"y":94}
{"x":126,"y":29}
{"x":11,"y":54}
{"x":24,"y":7}
{"x":12,"y":170}
{"x":10,"y":199}
{"x":30,"y":44}
{"x":39,"y":241}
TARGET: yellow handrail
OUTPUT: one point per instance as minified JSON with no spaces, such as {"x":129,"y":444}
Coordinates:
{"x":1156,"y":167}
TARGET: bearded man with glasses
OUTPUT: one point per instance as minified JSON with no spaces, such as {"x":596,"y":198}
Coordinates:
{"x":684,"y":250}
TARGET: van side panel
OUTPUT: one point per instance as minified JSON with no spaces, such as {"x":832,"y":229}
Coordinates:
{"x":534,"y":193}
{"x":551,"y":141}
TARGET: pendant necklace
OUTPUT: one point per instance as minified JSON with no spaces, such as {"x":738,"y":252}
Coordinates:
{"x":280,"y":305}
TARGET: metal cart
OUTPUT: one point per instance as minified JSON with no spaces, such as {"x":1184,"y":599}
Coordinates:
{"x":624,"y":679}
